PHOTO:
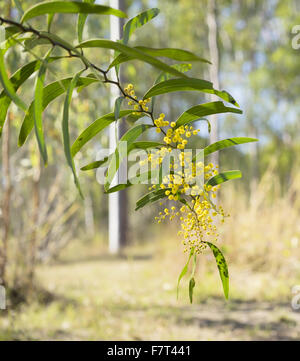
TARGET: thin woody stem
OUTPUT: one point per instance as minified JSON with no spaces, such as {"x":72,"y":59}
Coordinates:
{"x":87,"y":63}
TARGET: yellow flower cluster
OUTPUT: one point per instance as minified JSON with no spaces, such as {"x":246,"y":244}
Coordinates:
{"x":179,"y":137}
{"x":182,"y":174}
{"x":160,"y":122}
{"x":140,"y":105}
{"x":198,"y":221}
{"x":196,"y":209}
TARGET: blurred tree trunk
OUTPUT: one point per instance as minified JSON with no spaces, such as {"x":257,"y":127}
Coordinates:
{"x":213,"y":69}
{"x":34,"y":220}
{"x":123,"y":200}
{"x":7,"y":190}
{"x":118,"y":201}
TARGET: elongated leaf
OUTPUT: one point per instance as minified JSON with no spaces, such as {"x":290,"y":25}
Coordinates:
{"x":192,"y":284}
{"x":150,"y":198}
{"x":49,"y":21}
{"x":222,"y":266}
{"x":190,"y":84}
{"x":224,"y":177}
{"x":65,"y":129}
{"x":202,"y":110}
{"x":138,"y":21}
{"x":51,"y":92}
{"x":129,"y":137}
{"x":7,"y":85}
{"x":12,"y":41}
{"x":171,"y":53}
{"x":225,"y":143}
{"x":184,"y":270}
{"x":96,"y":164}
{"x":146,"y":145}
{"x":140,"y":179}
{"x":34,"y":41}
{"x":183,"y":68}
{"x":17,"y":79}
{"x":81,"y":22}
{"x":95,"y":128}
{"x":38,"y":108}
{"x":11,"y":30}
{"x":208,"y":124}
{"x":69,"y":7}
{"x":117,"y":109}
{"x":122,"y":48}
{"x":135,"y":145}
{"x":143,"y":177}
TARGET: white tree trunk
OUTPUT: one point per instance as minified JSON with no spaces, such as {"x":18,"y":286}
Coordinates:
{"x":213,"y":70}
{"x":118,"y":200}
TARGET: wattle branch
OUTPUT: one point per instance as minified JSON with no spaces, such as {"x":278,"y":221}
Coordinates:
{"x":72,"y":54}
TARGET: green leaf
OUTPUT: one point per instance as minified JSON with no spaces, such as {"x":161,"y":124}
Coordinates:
{"x":38,"y":108}
{"x":17,"y":79}
{"x":170,"y":53}
{"x":184,"y":270}
{"x":146,"y":145}
{"x":117,"y":108}
{"x":81,"y":22}
{"x":129,"y":137}
{"x":12,"y":41}
{"x":202,"y":110}
{"x":122,"y":48}
{"x":49,"y":21}
{"x":34,"y":41}
{"x":192,"y":284}
{"x":94,"y":165}
{"x":135,"y":145}
{"x":182,"y":67}
{"x":118,"y":188}
{"x":224,"y":177}
{"x":50,"y":92}
{"x":208,"y":124}
{"x":65,"y":129}
{"x":144,"y":177}
{"x":190,"y":84}
{"x":225,"y":143}
{"x":69,"y":7}
{"x":173,"y":53}
{"x":11,"y":30}
{"x":222,"y":266}
{"x":138,"y":21}
{"x":8,"y":86}
{"x":150,"y":198}
{"x":96,"y":127}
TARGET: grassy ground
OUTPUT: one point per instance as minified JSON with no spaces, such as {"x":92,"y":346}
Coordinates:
{"x":98,"y":297}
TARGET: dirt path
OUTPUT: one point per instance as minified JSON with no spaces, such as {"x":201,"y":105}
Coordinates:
{"x":244,"y":321}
